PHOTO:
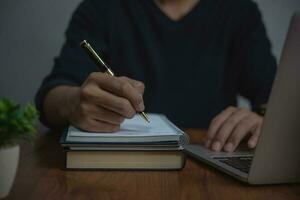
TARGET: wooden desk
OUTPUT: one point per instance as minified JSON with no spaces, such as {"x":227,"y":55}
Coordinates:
{"x":40,"y":176}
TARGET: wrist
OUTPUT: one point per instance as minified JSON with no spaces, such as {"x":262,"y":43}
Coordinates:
{"x":70,"y":103}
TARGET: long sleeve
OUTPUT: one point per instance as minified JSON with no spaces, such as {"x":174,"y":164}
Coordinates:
{"x":73,"y":66}
{"x":254,"y":58}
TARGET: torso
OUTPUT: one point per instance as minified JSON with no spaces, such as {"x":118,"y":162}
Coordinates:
{"x":188,"y":64}
{"x":183,"y":63}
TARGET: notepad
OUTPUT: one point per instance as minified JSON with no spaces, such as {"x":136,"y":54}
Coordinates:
{"x":138,"y":145}
{"x":134,"y":130}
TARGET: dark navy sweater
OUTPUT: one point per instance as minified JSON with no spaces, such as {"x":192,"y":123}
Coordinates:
{"x":192,"y":68}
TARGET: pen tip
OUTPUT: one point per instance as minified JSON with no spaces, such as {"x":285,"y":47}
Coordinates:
{"x":145,"y":117}
{"x":147,"y":120}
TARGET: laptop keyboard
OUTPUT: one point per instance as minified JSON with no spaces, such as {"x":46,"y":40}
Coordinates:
{"x":241,"y":163}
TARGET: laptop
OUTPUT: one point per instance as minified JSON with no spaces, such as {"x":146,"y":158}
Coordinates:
{"x":276,"y":158}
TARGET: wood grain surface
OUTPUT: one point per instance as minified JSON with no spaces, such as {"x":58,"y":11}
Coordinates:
{"x":41,"y":176}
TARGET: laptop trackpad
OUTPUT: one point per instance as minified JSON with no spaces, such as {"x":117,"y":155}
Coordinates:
{"x":237,"y":162}
{"x":200,"y":150}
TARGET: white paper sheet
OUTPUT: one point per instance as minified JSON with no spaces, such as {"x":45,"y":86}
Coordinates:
{"x":133,"y":128}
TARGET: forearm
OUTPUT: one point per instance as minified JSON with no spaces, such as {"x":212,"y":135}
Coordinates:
{"x":58,"y":105}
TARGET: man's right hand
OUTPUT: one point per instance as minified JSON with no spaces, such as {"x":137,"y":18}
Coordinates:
{"x":103,"y":102}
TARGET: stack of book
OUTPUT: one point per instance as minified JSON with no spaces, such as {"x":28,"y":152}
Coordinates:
{"x":138,"y":145}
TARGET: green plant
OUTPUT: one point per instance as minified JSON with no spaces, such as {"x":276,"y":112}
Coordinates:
{"x":16,"y":123}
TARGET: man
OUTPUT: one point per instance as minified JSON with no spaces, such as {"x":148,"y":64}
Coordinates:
{"x":193,"y":56}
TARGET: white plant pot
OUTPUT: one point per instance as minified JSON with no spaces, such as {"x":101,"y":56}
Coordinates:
{"x":9,"y":159}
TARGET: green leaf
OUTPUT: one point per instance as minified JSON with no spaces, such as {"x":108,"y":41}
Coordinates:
{"x":16,"y":123}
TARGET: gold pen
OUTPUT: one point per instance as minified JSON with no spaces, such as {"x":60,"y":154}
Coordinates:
{"x":100,"y":63}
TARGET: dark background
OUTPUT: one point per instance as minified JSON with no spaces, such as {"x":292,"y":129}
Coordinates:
{"x":32,"y":33}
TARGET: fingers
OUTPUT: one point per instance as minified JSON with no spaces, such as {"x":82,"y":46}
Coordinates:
{"x":138,"y":85}
{"x":96,"y":119}
{"x":109,"y":101}
{"x":104,"y":101}
{"x":230,"y":127}
{"x":227,"y":128}
{"x":248,"y":125}
{"x":252,"y":142}
{"x":101,"y":114}
{"x":122,"y":87}
{"x":216,"y":124}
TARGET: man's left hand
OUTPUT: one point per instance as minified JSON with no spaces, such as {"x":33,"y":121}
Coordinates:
{"x":228,"y":129}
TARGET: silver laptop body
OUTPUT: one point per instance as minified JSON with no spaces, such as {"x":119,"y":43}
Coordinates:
{"x":276,"y":158}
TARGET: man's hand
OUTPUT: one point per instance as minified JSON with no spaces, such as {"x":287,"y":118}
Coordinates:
{"x":103,"y":102}
{"x":232,"y":125}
